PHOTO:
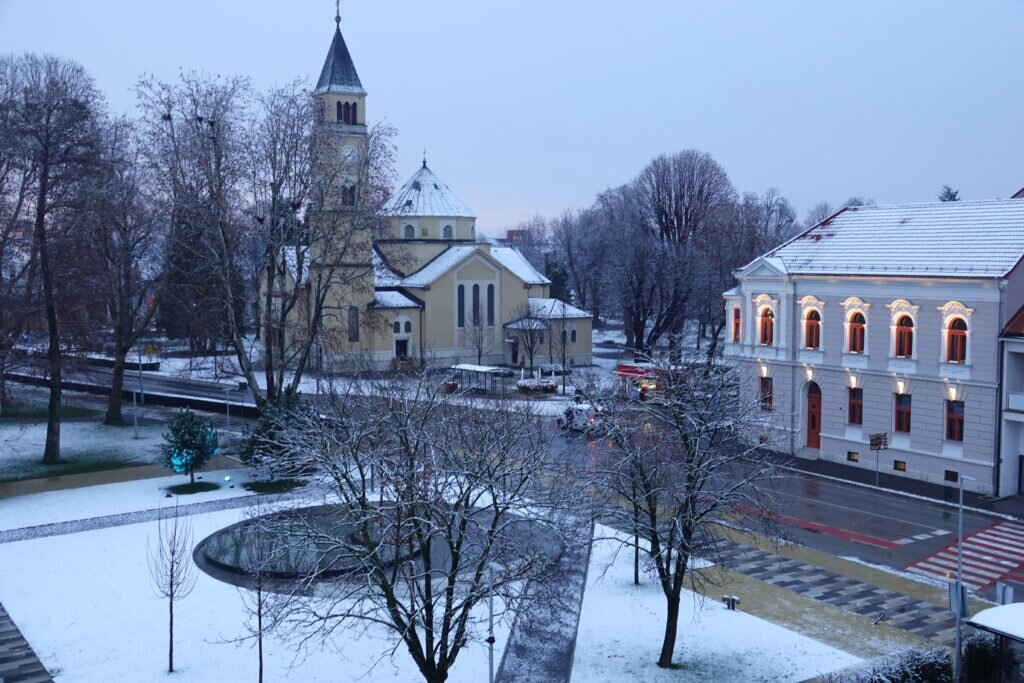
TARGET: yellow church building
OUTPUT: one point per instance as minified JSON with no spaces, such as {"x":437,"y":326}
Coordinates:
{"x":421,"y":287}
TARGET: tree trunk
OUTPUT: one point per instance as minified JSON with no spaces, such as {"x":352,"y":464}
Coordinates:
{"x":114,"y":414}
{"x":259,"y":625}
{"x":51,"y":453}
{"x":170,"y":636}
{"x":668,"y":645}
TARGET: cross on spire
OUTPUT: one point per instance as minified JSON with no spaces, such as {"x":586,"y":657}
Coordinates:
{"x":337,"y":13}
{"x":424,"y":158}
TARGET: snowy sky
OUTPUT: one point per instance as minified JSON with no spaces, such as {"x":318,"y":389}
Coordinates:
{"x":535,"y":106}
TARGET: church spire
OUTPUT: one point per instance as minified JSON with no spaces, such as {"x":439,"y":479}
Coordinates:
{"x":339,"y":72}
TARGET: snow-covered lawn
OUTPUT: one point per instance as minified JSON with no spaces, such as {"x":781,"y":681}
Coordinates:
{"x":84,"y":445}
{"x":621,"y":628}
{"x":85,"y":604}
{"x":112,"y":499}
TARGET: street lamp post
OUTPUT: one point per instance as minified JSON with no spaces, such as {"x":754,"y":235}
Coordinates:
{"x":960,"y":607}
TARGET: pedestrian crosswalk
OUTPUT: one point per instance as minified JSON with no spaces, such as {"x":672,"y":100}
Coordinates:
{"x":989,"y":555}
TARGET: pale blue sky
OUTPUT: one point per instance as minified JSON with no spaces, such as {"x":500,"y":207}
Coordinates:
{"x":536,"y":105}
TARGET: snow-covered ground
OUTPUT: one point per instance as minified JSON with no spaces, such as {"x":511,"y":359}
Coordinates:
{"x":621,"y":628}
{"x":85,"y":603}
{"x":22,"y":445}
{"x":112,"y":499}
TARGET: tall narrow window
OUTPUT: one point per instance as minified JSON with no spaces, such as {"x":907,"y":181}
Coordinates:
{"x":812,"y":330}
{"x":767,"y":327}
{"x":490,"y":305}
{"x":857,"y":324}
{"x":340,"y":115}
{"x":855,"y":411}
{"x":448,"y":233}
{"x":904,"y":337}
{"x":902,"y":421}
{"x":355,"y":119}
{"x":396,"y":327}
{"x":572,"y":336}
{"x":735,"y":326}
{"x":353,"y":324}
{"x":409,"y":232}
{"x":408,"y":327}
{"x":765,"y":394}
{"x":461,"y":304}
{"x":957,"y":344}
{"x":476,"y":305}
{"x":955,"y":420}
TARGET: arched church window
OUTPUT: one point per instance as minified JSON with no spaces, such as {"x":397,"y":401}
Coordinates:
{"x":353,"y":324}
{"x":461,"y":303}
{"x":355,"y":119}
{"x":449,"y":232}
{"x":410,"y":232}
{"x":490,"y":305}
{"x":476,"y":305}
{"x":408,"y":327}
{"x":339,"y":112}
{"x":396,"y":327}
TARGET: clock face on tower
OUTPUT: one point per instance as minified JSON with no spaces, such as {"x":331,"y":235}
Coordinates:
{"x":348,"y":154}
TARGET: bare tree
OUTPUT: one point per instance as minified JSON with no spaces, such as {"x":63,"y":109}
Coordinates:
{"x":477,"y":338}
{"x":818,"y":213}
{"x":52,"y":123}
{"x":18,"y":267}
{"x":171,"y":569}
{"x":681,"y":462}
{"x":459,"y":492}
{"x":126,"y":234}
{"x":529,"y":329}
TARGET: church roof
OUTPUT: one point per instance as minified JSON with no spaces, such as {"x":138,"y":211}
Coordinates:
{"x":514,"y":261}
{"x":425,"y":195}
{"x":339,"y":72}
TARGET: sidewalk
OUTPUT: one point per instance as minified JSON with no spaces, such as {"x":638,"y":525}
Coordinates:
{"x":18,"y":663}
{"x":1011,"y":505}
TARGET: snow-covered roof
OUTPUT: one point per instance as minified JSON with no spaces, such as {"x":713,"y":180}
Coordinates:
{"x":527,"y":324}
{"x":554,"y":309}
{"x":339,"y":72}
{"x":440,"y":265}
{"x":1007,"y":620}
{"x":516,"y":263}
{"x":383,"y":275}
{"x":977,"y":239}
{"x":291,"y":262}
{"x":393,"y":300}
{"x":425,"y":195}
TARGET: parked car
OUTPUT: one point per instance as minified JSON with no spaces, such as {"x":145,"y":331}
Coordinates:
{"x":554,"y":369}
{"x":583,"y":417}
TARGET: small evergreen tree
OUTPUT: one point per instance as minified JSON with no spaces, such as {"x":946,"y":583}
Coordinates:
{"x":948,"y":194}
{"x":261,"y":449}
{"x":191,"y":443}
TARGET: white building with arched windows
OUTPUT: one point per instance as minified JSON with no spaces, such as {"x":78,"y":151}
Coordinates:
{"x":892,"y":319}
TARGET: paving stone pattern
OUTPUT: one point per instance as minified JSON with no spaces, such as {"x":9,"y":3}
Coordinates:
{"x":18,"y":663}
{"x":920,"y":618}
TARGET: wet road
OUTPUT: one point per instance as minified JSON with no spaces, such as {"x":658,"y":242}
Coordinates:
{"x":896,"y":531}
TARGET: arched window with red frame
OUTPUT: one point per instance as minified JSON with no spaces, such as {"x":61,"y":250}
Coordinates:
{"x":904,"y":337}
{"x":956,"y":346}
{"x":857,"y":326}
{"x":735,"y":326}
{"x":767,"y":327}
{"x":812,"y":330}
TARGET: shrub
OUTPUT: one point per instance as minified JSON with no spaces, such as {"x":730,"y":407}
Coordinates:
{"x":981,"y":657}
{"x":933,"y":665}
{"x":262,"y":449}
{"x":191,"y":442}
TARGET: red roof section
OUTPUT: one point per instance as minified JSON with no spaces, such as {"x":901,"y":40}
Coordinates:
{"x":1015,"y":328}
